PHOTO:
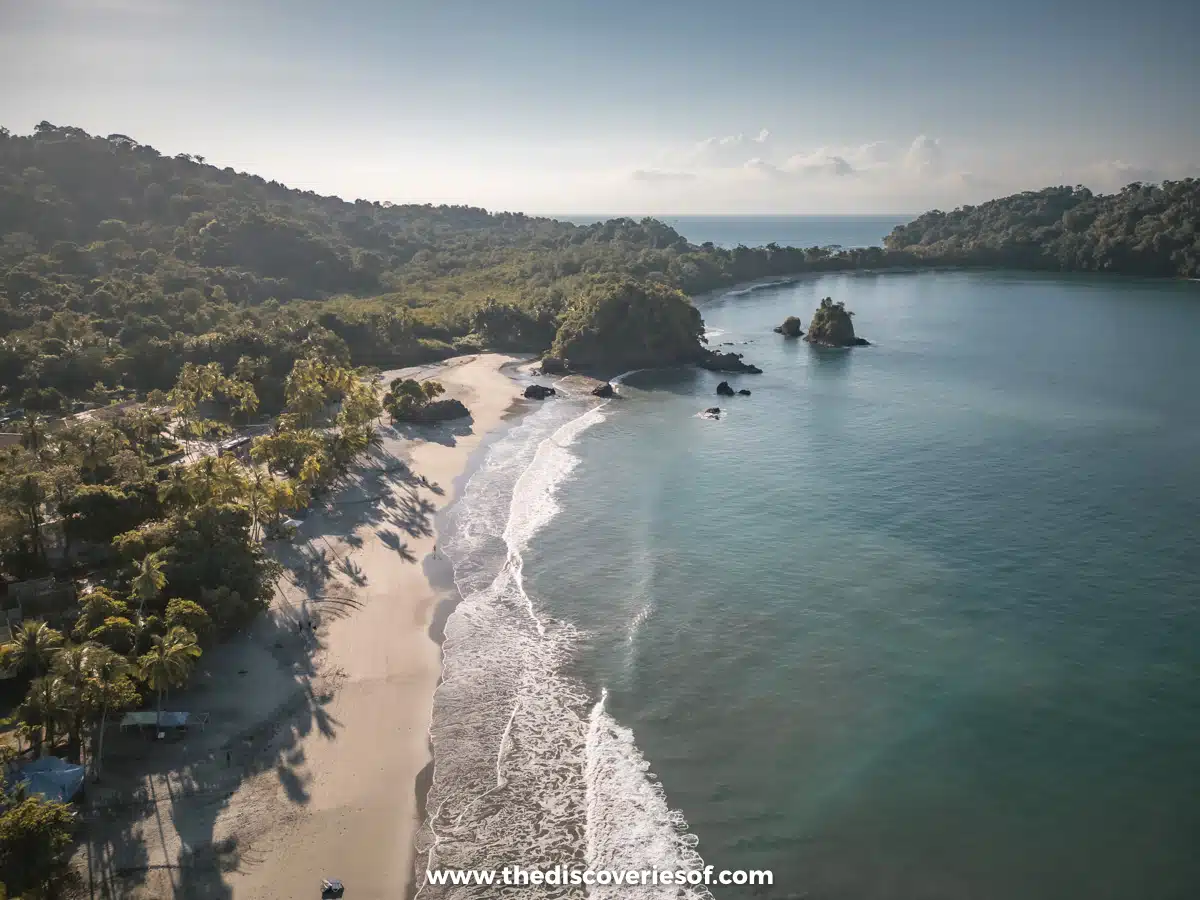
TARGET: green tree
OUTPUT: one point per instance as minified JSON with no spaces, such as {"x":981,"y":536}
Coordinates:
{"x":48,"y":706}
{"x":190,"y":616}
{"x":406,"y":397}
{"x":168,"y":663}
{"x":109,"y":689}
{"x":35,"y":844}
{"x":95,"y":607}
{"x":148,"y":581}
{"x":32,"y":647}
{"x":33,"y":434}
{"x":117,"y":633}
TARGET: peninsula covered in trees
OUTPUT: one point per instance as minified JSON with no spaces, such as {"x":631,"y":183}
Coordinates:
{"x":1145,"y":229}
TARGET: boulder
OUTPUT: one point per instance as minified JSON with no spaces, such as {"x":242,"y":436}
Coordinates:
{"x":725,"y":390}
{"x":539,"y":392}
{"x":553,"y":365}
{"x":603,"y":390}
{"x":743,"y":392}
{"x":727,"y":362}
{"x":442,"y":410}
{"x":832,"y":326}
{"x":713,"y":412}
{"x":790,"y":327}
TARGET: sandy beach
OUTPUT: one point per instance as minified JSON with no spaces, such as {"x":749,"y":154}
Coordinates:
{"x":316,"y":739}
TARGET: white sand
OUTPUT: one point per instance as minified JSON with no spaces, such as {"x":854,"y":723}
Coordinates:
{"x":328,"y":744}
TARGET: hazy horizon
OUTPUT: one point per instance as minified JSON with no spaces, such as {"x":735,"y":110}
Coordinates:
{"x":764,"y":108}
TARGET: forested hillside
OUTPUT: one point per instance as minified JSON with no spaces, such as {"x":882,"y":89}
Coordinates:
{"x":118,"y":265}
{"x":1146,"y":229}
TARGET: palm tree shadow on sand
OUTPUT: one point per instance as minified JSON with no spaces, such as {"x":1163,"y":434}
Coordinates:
{"x":158,"y":788}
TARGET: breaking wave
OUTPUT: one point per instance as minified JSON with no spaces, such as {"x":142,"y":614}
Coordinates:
{"x":529,"y":769}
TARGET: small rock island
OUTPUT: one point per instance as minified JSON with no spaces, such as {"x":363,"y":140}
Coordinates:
{"x":791,"y":327}
{"x":832,"y":326}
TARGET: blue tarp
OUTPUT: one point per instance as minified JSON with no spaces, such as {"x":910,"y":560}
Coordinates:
{"x":51,"y":778}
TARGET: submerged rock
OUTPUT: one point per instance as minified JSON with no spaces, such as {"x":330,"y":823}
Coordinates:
{"x":604,"y":390}
{"x":832,"y":326}
{"x":727,"y":362}
{"x":539,"y":392}
{"x":713,"y":412}
{"x":791,"y":327}
{"x":725,"y":390}
{"x":744,"y":392}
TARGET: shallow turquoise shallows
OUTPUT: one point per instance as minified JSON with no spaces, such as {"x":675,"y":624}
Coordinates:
{"x":915,"y":620}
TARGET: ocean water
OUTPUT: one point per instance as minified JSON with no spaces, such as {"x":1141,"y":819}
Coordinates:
{"x":914,"y":620}
{"x":787,"y":231}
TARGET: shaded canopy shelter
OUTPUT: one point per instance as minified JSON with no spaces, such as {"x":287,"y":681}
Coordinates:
{"x":51,"y":778}
{"x":168,"y":719}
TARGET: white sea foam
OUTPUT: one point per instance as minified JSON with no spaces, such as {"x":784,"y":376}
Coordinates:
{"x":629,"y":823}
{"x":760,"y":286}
{"x":528,"y":769}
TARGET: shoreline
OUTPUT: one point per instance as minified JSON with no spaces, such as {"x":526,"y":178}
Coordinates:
{"x":315,"y":757}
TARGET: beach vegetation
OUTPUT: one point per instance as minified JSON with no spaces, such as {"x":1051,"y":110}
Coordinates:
{"x":35,"y":844}
{"x":406,"y":398}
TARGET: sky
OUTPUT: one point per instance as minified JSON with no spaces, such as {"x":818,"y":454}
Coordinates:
{"x":628,"y":106}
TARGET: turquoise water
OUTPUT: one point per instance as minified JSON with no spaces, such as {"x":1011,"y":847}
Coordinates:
{"x":915,"y":620}
{"x":787,"y":231}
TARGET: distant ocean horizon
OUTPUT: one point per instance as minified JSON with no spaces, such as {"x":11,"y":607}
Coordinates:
{"x":757,"y":231}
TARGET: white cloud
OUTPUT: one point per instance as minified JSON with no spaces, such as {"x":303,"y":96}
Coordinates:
{"x":823,"y":162}
{"x":728,"y":151}
{"x":802,"y":165}
{"x":924,"y":156}
{"x":661,"y":175}
{"x":758,"y":174}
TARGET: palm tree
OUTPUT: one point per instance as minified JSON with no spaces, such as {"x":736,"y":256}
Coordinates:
{"x":32,"y":647}
{"x":33,"y":434}
{"x":29,"y":495}
{"x":109,"y":688}
{"x":230,"y":480}
{"x":169,"y":663}
{"x":175,"y":493}
{"x":202,"y":477}
{"x":310,"y":471}
{"x":73,"y":665}
{"x":95,"y":450}
{"x":46,"y":706}
{"x":149,"y":580}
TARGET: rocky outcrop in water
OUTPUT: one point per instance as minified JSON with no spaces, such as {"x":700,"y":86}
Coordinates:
{"x":713,"y":412}
{"x":832,"y":326}
{"x":604,"y":390}
{"x":791,"y":327}
{"x":743,"y":392}
{"x":725,"y":390}
{"x":553,"y":365}
{"x":539,"y":392}
{"x":726,"y":362}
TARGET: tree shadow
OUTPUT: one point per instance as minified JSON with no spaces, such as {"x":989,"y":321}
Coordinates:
{"x":392,"y":539}
{"x":156,"y":825}
{"x":152,"y":823}
{"x":354,"y":572}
